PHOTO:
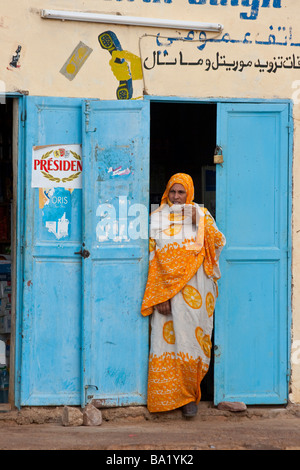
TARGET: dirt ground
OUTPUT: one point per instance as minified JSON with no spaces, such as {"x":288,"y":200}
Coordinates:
{"x":213,"y":434}
{"x":133,"y":428}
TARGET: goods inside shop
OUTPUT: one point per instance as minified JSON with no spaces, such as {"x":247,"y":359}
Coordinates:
{"x":6,"y":197}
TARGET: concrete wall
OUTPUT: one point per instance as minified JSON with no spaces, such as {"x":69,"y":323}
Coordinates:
{"x":257,"y":55}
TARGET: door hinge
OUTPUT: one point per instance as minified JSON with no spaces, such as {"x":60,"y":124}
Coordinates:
{"x":289,"y":127}
{"x":87,"y":118}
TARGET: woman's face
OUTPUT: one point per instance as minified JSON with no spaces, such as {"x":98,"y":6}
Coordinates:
{"x":177,"y":194}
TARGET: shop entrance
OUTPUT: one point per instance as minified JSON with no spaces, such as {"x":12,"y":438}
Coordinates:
{"x":82,"y":335}
{"x":249,"y":197}
{"x":183,"y":140}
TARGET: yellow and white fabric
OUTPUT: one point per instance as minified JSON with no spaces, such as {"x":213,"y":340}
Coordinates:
{"x":183,"y":268}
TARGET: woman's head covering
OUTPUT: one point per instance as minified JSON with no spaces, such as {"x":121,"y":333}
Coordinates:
{"x":172,"y":267}
{"x":187,"y":183}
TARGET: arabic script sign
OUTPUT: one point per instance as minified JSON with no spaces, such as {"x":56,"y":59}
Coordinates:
{"x":57,"y":166}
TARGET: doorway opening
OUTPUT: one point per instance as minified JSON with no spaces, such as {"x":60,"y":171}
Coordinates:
{"x":7,"y":237}
{"x":183,"y":140}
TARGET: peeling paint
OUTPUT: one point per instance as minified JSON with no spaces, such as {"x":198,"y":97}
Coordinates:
{"x":57,"y":212}
{"x":119,"y":171}
{"x":59,"y":228}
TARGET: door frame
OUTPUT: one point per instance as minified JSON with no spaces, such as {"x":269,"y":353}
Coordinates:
{"x":18,"y":161}
{"x":16,"y":336}
{"x":217,"y":100}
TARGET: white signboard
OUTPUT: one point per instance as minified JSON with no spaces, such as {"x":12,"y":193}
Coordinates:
{"x":57,"y":166}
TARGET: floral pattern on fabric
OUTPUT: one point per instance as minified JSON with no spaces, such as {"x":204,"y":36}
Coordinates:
{"x":184,"y":269}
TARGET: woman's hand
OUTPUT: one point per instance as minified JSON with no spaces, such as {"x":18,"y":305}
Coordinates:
{"x":164,"y":308}
{"x":190,"y":210}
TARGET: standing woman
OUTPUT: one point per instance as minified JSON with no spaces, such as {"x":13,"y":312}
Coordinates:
{"x":180,"y":295}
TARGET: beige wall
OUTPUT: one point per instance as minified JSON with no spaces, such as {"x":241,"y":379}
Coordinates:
{"x":47,"y":44}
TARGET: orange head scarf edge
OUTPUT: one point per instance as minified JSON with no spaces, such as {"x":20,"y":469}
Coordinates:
{"x":187,"y":183}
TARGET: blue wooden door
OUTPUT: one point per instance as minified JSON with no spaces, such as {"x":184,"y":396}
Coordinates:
{"x":49,"y":362}
{"x":252,"y":312}
{"x":80,"y":317}
{"x":115,"y":237}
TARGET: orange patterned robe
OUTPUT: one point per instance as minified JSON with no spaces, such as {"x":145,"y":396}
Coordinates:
{"x":184,"y":268}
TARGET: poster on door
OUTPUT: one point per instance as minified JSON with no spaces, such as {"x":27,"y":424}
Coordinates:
{"x":57,"y":166}
{"x":56,"y":206}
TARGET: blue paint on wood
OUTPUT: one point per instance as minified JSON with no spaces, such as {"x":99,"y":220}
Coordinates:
{"x":19,"y":245}
{"x":82,"y":331}
{"x":115,"y":335}
{"x":51,"y":309}
{"x":251,"y":319}
{"x":68,"y":345}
